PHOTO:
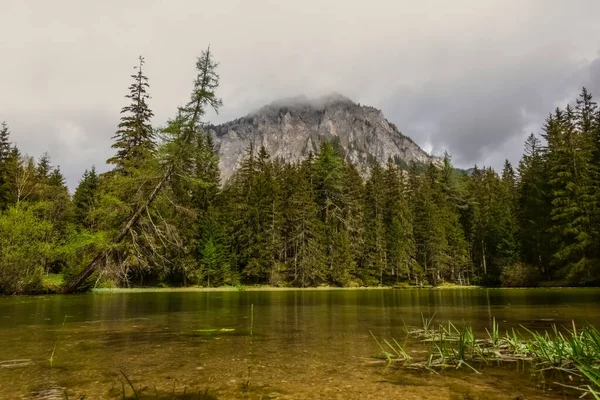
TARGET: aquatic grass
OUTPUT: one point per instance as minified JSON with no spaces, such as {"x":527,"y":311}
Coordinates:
{"x":427,"y":322}
{"x":494,"y":335}
{"x":573,"y":351}
{"x":386,"y":354}
{"x":398,"y":352}
{"x":593,"y":375}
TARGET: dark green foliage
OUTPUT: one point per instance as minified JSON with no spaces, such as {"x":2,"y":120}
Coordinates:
{"x":534,"y":204}
{"x":374,"y":261}
{"x":574,"y":189}
{"x":134,"y":140}
{"x":5,"y":159}
{"x":86,"y":197}
{"x":303,"y":249}
{"x":334,"y":200}
{"x":26,"y":244}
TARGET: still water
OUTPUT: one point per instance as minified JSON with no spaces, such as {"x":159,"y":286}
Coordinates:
{"x":305,"y":344}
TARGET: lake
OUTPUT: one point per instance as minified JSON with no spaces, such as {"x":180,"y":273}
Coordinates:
{"x":304,"y":343}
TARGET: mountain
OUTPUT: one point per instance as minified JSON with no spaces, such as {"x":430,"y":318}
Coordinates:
{"x":292,"y":128}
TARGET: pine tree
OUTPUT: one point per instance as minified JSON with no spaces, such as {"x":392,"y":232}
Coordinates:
{"x":303,"y":239}
{"x":508,"y":248}
{"x":43,"y":168}
{"x":450,"y":203}
{"x":374,"y":263}
{"x":586,"y":111}
{"x":482,"y":193}
{"x":5,"y":154}
{"x":431,"y":242}
{"x":134,"y":139}
{"x":86,"y":198}
{"x":253,"y":193}
{"x":179,"y":139}
{"x":400,"y":245}
{"x":419,"y":211}
{"x":329,"y":179}
{"x":569,"y":154}
{"x":534,"y":207}
{"x":352,"y":234}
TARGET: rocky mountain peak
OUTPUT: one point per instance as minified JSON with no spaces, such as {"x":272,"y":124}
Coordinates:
{"x":291,"y":128}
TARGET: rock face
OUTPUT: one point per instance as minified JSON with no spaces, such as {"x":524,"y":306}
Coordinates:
{"x":290,"y":129}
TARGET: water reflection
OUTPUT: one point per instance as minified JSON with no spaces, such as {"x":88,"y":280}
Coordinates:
{"x":304,"y":341}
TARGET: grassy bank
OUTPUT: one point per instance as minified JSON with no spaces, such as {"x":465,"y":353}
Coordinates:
{"x":228,"y":289}
{"x":258,"y":288}
{"x":52,"y":283}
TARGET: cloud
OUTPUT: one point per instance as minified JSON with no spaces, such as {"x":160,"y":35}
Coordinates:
{"x":474,"y":116}
{"x":469,"y":76}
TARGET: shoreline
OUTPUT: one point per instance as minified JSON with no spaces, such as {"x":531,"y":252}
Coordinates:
{"x":265,"y":289}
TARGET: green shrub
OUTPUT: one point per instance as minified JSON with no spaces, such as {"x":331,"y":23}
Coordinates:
{"x":26,"y":245}
{"x":79,"y":249}
{"x":518,"y":275}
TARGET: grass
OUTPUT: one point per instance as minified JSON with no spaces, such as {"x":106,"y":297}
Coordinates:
{"x":52,"y":282}
{"x":571,"y":351}
{"x":239,"y":288}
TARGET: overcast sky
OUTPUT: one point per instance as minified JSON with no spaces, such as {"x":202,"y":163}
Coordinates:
{"x":470,"y":76}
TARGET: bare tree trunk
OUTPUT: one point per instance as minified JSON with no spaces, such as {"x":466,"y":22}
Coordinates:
{"x":483,"y":257}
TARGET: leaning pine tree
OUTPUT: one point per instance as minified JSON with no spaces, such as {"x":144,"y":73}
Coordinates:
{"x":183,"y":132}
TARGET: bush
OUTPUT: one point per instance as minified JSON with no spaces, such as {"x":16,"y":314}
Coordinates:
{"x":26,"y":244}
{"x":518,"y":275}
{"x":79,"y":249}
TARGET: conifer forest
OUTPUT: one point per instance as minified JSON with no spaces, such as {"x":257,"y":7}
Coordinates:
{"x":161,"y":216}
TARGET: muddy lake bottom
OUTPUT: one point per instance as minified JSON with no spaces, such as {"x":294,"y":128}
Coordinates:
{"x":304,"y":344}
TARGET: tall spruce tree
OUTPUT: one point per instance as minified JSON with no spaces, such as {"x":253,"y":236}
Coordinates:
{"x":303,"y":239}
{"x":450,"y":203}
{"x":134,"y":139}
{"x":534,"y":207}
{"x":86,"y":198}
{"x":332,"y":197}
{"x":374,"y":262}
{"x":569,"y":155}
{"x":5,"y":155}
{"x":398,"y":222}
{"x":508,"y":247}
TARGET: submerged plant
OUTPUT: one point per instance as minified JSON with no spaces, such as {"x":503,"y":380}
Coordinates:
{"x":130,"y":385}
{"x":51,"y":359}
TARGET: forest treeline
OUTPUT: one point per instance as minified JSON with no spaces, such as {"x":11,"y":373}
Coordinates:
{"x":315,"y":222}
